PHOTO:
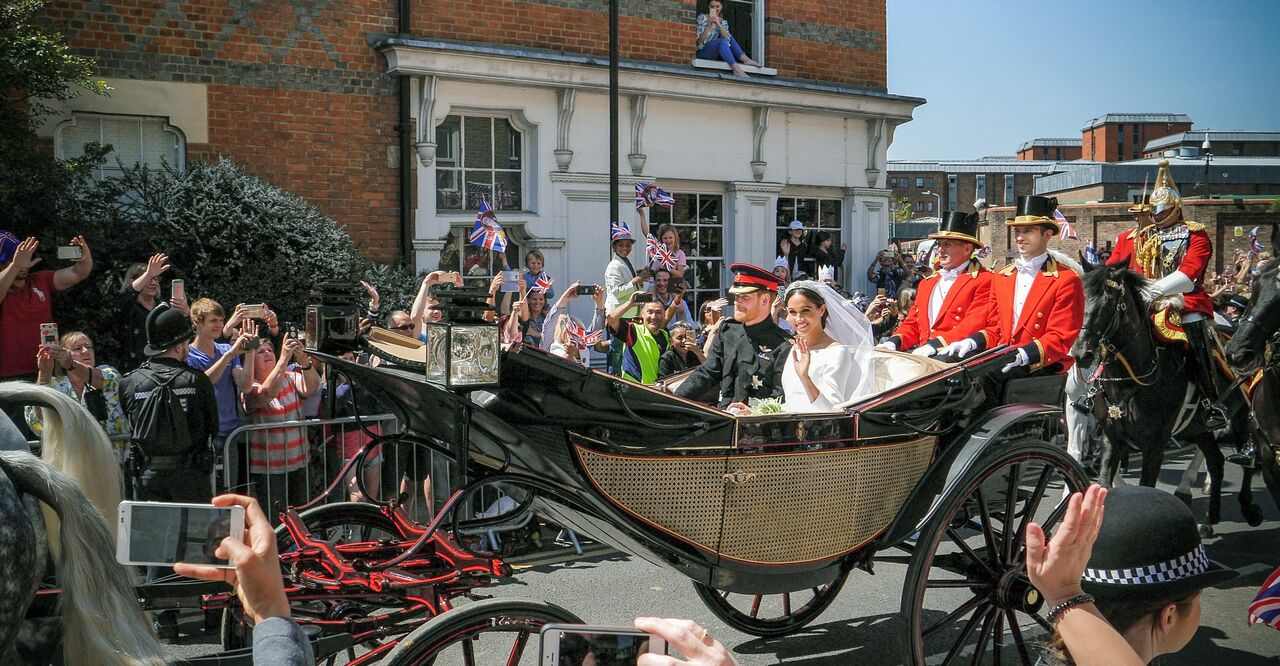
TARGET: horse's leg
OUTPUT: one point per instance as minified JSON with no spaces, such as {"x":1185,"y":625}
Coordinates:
{"x":1183,"y":492}
{"x":1152,"y":461}
{"x":1111,"y":456}
{"x":1214,"y":461}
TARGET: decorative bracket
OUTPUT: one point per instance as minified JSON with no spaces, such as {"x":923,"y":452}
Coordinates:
{"x":875,"y":135}
{"x":426,"y":145}
{"x":639,"y":111}
{"x":565,"y":98}
{"x":760,"y":119}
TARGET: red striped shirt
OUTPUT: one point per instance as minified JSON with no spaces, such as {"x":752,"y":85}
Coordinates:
{"x":278,"y":450}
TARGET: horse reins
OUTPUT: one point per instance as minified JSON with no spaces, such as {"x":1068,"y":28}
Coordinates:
{"x":1107,"y":349}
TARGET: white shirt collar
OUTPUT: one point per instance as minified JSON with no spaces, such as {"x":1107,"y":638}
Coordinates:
{"x":1031,"y":265}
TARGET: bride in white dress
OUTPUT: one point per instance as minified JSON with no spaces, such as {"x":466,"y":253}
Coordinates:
{"x":830,"y":360}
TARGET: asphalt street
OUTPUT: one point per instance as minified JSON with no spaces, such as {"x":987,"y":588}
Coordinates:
{"x":862,"y":626}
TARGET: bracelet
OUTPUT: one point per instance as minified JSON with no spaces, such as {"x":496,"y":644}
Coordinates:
{"x":308,"y":366}
{"x":1061,"y":608}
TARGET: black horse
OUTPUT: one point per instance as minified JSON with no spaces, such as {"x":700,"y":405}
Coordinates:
{"x":1149,"y":390}
{"x":1254,"y":352}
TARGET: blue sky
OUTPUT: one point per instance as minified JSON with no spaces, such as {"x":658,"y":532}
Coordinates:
{"x":998,"y":72}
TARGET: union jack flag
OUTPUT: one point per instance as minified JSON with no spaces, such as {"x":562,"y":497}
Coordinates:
{"x":1255,"y":245}
{"x":1090,"y":253}
{"x":1266,"y":606}
{"x":658,"y":253}
{"x":542,"y":282}
{"x":984,"y":252}
{"x":1067,"y":230}
{"x":487,"y":233}
{"x":582,"y":337}
{"x":649,"y":195}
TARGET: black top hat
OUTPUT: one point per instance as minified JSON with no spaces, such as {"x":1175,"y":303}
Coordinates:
{"x":1035,"y":210}
{"x":1149,"y":550}
{"x":748,"y":278}
{"x":959,"y":226}
{"x":166,"y":329}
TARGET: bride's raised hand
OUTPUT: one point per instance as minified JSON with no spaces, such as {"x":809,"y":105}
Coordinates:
{"x":800,"y":354}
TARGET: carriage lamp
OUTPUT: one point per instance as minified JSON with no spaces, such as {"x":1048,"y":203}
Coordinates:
{"x":462,"y":348}
{"x":333,"y":325}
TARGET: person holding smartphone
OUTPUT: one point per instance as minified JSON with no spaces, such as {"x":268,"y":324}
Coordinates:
{"x":643,"y":341}
{"x":554,"y":330}
{"x":716,"y":43}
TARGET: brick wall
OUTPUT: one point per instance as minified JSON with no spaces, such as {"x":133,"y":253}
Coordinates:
{"x":839,"y":42}
{"x":294,"y":91}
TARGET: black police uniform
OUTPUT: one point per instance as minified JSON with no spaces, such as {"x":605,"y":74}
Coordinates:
{"x":174,"y":478}
{"x":745,"y":362}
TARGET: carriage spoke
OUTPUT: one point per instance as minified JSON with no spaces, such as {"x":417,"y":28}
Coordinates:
{"x":786,"y":603}
{"x":517,"y":650}
{"x":1011,"y":503}
{"x":985,"y":517}
{"x":955,"y":538}
{"x":964,"y":582}
{"x":964,"y":637}
{"x":1017,"y":637}
{"x":1058,"y":513}
{"x":1044,"y":624}
{"x":755,"y":605}
{"x":998,"y":636}
{"x":954,"y":615}
{"x":469,"y":651}
{"x":1033,"y":504}
{"x":981,"y":647}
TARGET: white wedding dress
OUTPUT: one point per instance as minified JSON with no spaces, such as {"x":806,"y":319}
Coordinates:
{"x":842,"y":370}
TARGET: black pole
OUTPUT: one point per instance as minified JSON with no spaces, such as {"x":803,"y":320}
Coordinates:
{"x":404,"y":129}
{"x":613,"y":111}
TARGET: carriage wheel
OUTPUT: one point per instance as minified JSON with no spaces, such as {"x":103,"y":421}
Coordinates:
{"x":967,"y":595}
{"x":770,"y":614}
{"x":491,"y":631}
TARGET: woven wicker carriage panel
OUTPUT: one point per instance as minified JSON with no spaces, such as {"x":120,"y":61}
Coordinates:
{"x":811,"y":506}
{"x":778,"y":508}
{"x":682,"y":495}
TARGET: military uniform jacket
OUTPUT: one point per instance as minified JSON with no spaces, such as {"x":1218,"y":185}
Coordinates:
{"x":964,"y":311}
{"x":745,"y":362}
{"x":1154,"y":252}
{"x":1050,"y":319}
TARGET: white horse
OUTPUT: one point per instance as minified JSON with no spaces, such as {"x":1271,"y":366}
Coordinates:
{"x":78,"y":485}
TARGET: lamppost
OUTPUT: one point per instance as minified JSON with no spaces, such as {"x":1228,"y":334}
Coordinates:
{"x":939,"y":208}
{"x":1207,"y":149}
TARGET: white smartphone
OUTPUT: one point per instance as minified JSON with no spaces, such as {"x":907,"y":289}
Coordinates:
{"x":178,"y":290}
{"x":511,"y":281}
{"x":72,"y":252}
{"x":163,"y":533}
{"x":49,"y":335}
{"x":583,"y":644}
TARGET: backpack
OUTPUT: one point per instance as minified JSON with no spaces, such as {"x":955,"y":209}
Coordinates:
{"x":160,"y":422}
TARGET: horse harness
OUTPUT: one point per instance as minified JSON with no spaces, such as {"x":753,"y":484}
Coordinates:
{"x":1097,"y":382}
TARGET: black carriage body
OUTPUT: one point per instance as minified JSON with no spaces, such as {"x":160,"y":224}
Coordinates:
{"x":758,"y":504}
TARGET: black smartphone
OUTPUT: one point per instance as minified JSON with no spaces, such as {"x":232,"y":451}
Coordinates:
{"x":586,"y":290}
{"x":643,"y":298}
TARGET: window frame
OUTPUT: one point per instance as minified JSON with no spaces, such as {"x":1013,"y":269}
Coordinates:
{"x":920,"y":182}
{"x":59,"y":145}
{"x":529,"y":199}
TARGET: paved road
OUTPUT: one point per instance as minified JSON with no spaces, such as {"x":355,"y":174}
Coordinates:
{"x":862,"y":626}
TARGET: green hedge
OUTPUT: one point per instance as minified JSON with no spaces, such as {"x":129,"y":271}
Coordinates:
{"x":232,"y":236}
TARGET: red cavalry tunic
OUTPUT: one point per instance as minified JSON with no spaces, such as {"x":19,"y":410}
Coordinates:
{"x":1154,"y":252}
{"x":1050,"y":319}
{"x":964,"y":311}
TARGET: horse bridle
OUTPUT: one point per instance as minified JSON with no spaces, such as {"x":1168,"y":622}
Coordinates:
{"x":1106,"y":348}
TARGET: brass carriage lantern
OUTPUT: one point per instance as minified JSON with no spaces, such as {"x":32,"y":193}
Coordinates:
{"x":462,"y":349}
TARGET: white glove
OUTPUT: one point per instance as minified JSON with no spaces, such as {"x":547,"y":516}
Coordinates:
{"x":960,"y":348}
{"x":1176,"y":282}
{"x":1019,"y":360}
{"x":887,"y":345}
{"x":924,"y":350}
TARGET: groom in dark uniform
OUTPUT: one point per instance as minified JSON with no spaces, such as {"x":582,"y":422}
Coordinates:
{"x":750,"y":350}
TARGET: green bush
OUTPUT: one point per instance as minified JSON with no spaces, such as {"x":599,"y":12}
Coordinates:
{"x":230,"y":235}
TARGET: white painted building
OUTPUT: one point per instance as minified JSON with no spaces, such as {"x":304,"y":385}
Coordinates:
{"x":530,"y":130}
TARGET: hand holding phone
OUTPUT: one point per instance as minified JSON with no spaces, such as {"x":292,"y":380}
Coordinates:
{"x":586,"y":290}
{"x":70,"y":252}
{"x":178,"y":290}
{"x":641,"y":297}
{"x":255,"y":311}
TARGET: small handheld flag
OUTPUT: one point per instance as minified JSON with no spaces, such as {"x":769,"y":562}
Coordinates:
{"x":581,"y":337}
{"x":1090,"y":254}
{"x":1266,"y":606}
{"x":1255,"y":245}
{"x":658,"y":253}
{"x":649,"y":195}
{"x":487,"y":233}
{"x":1067,"y":230}
{"x":543,"y":282}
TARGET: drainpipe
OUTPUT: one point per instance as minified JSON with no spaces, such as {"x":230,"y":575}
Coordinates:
{"x":405,"y":130}
{"x":613,"y":111}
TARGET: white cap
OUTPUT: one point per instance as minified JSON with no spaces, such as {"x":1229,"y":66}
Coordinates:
{"x":795,"y":224}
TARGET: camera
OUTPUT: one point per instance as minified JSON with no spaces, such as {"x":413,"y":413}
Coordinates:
{"x":333,"y":325}
{"x":586,"y":290}
{"x":642,"y":297}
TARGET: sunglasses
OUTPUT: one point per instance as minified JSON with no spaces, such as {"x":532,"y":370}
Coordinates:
{"x":403,"y":327}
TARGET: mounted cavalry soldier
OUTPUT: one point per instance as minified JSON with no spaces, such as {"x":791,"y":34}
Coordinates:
{"x":749,"y":352}
{"x":954,"y":302}
{"x":1038,"y":302}
{"x":1173,"y":253}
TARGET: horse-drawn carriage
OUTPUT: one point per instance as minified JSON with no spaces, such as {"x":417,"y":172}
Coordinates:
{"x":767,"y":514}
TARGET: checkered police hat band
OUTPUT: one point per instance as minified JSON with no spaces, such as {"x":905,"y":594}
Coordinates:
{"x":1193,"y":563}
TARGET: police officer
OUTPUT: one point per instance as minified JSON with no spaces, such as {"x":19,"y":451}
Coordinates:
{"x":750,"y":349}
{"x":170,"y":475}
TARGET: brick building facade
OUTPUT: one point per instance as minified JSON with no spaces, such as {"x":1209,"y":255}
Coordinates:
{"x":505,"y":99}
{"x":1117,"y":137}
{"x":960,"y":183}
{"x":1058,"y":150}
